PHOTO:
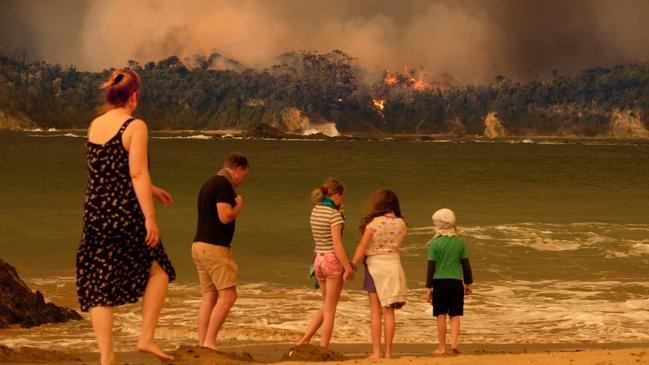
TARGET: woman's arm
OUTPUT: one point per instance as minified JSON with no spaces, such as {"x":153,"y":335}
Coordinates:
{"x":139,"y":169}
{"x":362,"y":246}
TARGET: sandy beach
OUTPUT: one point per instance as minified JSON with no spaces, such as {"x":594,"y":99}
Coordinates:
{"x":411,"y":354}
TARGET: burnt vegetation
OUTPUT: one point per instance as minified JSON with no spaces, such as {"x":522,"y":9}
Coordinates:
{"x":214,"y":92}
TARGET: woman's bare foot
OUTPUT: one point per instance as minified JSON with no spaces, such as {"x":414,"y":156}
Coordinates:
{"x":455,"y":351}
{"x":374,"y":357}
{"x":153,"y":349}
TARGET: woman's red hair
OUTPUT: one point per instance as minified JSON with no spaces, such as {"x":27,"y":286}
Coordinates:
{"x":120,"y":86}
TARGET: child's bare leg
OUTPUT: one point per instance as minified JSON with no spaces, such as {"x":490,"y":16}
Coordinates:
{"x":334,"y":287}
{"x":441,"y":334}
{"x":375,"y":325}
{"x":455,"y":333}
{"x":316,"y":322}
{"x":389,"y":323}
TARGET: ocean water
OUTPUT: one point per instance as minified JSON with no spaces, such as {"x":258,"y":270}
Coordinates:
{"x":557,"y":232}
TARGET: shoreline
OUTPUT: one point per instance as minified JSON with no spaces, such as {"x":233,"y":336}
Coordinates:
{"x":558,"y":353}
{"x":363,"y":136}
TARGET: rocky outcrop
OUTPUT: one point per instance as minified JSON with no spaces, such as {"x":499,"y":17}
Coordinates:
{"x":291,"y":120}
{"x":15,"y":123}
{"x":493,"y":126}
{"x":312,"y":353}
{"x":294,"y":121}
{"x":627,"y":125}
{"x":266,"y":131}
{"x":455,"y":126}
{"x":197,"y":355}
{"x":18,"y":305}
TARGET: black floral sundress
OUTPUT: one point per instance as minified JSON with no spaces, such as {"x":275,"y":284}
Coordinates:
{"x":113,"y":260}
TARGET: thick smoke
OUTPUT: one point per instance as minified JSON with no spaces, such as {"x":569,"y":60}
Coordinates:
{"x":472,"y":41}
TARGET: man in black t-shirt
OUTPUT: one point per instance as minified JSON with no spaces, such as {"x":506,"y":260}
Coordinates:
{"x":218,"y":207}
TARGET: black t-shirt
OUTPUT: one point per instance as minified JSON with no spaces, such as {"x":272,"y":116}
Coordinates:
{"x":210,"y":229}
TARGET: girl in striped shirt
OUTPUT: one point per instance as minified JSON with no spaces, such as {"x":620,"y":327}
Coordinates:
{"x":330,"y":261}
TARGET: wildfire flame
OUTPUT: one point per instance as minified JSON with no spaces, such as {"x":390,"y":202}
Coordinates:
{"x":379,"y":104}
{"x":405,"y":79}
{"x":390,"y":79}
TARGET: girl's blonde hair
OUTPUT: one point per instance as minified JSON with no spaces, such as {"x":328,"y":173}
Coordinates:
{"x":330,"y":187}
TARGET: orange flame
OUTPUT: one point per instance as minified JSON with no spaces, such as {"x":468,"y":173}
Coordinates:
{"x":379,"y":104}
{"x":405,"y":80}
{"x":390,"y":79}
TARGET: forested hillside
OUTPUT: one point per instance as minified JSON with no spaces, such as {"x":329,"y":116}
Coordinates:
{"x":213,"y":92}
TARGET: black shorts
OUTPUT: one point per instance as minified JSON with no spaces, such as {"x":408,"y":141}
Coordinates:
{"x":448,"y":297}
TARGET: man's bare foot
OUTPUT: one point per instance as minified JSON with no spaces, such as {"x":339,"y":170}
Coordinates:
{"x":455,"y":351}
{"x":439,"y":352}
{"x":387,"y":355}
{"x":374,"y":357}
{"x":153,"y":349}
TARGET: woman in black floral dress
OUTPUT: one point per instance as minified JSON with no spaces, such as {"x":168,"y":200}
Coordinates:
{"x":120,"y":258}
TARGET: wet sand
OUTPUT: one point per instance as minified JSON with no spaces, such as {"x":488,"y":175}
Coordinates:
{"x":410,"y":354}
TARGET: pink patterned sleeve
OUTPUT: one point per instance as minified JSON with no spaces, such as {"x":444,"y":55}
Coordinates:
{"x":371,"y":226}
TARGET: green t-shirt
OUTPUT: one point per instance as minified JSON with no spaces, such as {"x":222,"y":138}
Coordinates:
{"x":447,"y":252}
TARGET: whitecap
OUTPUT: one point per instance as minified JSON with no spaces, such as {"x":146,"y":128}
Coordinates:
{"x":197,"y":136}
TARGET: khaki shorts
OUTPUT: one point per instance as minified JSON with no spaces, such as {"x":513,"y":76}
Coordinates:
{"x":216,"y":269}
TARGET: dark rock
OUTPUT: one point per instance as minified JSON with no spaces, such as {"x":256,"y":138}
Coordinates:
{"x":30,"y":354}
{"x":312,"y":353}
{"x":18,"y":305}
{"x":197,"y":355}
{"x":266,"y":131}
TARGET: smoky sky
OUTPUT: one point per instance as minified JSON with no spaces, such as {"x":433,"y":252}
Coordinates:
{"x":470,"y":41}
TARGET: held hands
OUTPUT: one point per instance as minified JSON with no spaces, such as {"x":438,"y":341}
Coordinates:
{"x":348,"y":274}
{"x":162,"y":196}
{"x":152,"y":233}
{"x":429,"y":295}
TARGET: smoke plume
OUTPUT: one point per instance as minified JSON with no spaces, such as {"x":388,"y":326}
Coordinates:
{"x":472,"y":41}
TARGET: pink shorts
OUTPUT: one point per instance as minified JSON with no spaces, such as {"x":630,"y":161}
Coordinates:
{"x":326,"y":265}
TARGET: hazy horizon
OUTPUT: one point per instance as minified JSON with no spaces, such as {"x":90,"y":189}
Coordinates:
{"x":472,"y":41}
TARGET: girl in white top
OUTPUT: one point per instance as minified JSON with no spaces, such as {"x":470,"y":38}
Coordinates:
{"x":330,"y":260}
{"x":384,"y":230}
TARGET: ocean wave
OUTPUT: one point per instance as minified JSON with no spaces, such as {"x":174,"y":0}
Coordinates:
{"x":514,"y":311}
{"x":73,"y":135}
{"x":196,"y":136}
{"x":616,"y":240}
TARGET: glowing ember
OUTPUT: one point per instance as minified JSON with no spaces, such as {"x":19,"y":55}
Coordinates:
{"x":405,"y":79}
{"x":379,"y":104}
{"x":390,"y":79}
{"x":420,"y":84}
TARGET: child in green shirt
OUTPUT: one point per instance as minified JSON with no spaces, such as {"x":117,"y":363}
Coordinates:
{"x":448,"y":265}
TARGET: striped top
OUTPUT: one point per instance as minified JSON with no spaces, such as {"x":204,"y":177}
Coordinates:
{"x":322,"y":219}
